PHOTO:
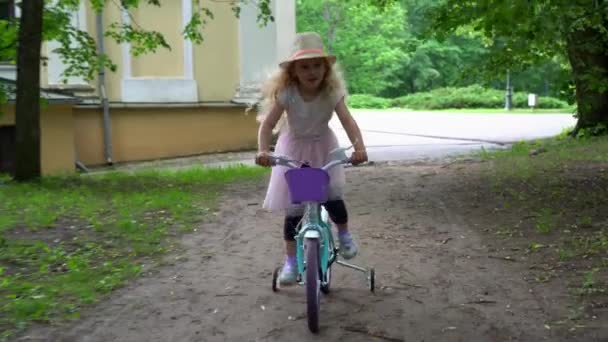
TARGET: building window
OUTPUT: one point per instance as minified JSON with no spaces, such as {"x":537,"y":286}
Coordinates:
{"x":7,"y":9}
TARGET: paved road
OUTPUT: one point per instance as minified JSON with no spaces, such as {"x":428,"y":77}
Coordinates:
{"x":396,"y":136}
{"x":413,"y":135}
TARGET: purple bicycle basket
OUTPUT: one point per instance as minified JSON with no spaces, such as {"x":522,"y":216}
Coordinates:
{"x":307,"y":184}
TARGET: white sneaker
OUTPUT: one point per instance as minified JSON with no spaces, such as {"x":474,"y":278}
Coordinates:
{"x":348,"y":247}
{"x":288,"y":274}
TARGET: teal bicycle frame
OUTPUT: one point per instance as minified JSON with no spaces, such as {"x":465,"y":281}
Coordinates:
{"x":314,"y":231}
{"x":314,"y":224}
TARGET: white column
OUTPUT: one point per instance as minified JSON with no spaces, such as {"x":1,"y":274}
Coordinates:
{"x":55,"y":65}
{"x":285,"y":19}
{"x":261,"y":49}
{"x":257,"y":46}
{"x":126,"y":48}
{"x":188,"y":50}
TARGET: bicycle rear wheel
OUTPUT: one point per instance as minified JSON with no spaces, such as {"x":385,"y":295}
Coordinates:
{"x":313,"y":284}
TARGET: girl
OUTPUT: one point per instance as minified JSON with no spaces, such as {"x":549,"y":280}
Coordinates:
{"x":309,"y":89}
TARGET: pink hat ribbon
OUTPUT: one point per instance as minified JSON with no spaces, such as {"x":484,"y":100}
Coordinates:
{"x":303,"y":52}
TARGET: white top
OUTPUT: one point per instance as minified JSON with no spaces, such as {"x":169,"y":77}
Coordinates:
{"x":308,"y":119}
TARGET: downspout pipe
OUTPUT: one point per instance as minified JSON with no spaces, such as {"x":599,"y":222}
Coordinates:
{"x":103,"y":96}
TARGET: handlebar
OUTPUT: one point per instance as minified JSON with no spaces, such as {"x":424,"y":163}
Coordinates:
{"x":337,"y":157}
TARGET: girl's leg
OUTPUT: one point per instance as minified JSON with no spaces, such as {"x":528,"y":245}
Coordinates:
{"x":339,"y":215}
{"x":289,"y":272}
{"x":289,"y":234}
{"x":290,"y":248}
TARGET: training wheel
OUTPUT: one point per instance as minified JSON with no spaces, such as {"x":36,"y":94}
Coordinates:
{"x":275,"y":279}
{"x":371,"y":279}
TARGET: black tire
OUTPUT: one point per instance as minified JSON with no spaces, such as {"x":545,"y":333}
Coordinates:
{"x":372,"y":280}
{"x":275,"y":279}
{"x":313,"y":284}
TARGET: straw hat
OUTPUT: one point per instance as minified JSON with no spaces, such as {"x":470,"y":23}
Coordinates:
{"x":307,"y":45}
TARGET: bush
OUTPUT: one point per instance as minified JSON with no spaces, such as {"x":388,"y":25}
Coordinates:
{"x":368,"y":102}
{"x":470,"y":97}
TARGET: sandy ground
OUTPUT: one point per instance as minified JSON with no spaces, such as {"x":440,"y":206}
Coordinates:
{"x":439,"y":275}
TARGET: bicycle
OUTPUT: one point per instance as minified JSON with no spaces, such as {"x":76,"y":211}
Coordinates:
{"x":316,"y":250}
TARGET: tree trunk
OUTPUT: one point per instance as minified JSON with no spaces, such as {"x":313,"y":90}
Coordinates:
{"x":27,"y":116}
{"x":588,"y":55}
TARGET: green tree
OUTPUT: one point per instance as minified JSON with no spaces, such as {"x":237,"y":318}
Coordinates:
{"x":524,"y":32}
{"x":376,"y":48}
{"x":383,"y":50}
{"x":549,"y":78}
{"x":445,"y":63}
{"x":367,"y":40}
{"x":424,"y":62}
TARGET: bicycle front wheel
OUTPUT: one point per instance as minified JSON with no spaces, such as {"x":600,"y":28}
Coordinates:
{"x":313,"y":284}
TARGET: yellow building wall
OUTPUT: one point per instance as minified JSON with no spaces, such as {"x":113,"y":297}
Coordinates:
{"x":56,"y":137}
{"x":216,"y":60}
{"x":168,"y":21}
{"x":57,"y":140}
{"x":7,"y":115}
{"x":155,"y":133}
{"x":70,"y":133}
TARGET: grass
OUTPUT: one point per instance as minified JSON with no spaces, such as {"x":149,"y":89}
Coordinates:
{"x":590,"y":286}
{"x":559,"y":149}
{"x":556,"y":190}
{"x":513,"y":111}
{"x":67,"y":241}
{"x":545,"y":221}
{"x":473,"y":111}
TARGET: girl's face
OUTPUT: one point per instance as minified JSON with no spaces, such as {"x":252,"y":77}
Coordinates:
{"x":310,"y":72}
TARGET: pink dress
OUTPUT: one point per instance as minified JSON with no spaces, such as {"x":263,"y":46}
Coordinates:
{"x":306,"y":136}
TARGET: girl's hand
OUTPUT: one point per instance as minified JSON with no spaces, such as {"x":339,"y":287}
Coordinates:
{"x":358,"y":157}
{"x":262,"y":158}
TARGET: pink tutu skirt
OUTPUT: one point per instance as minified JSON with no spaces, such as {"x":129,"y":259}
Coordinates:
{"x":314,"y":150}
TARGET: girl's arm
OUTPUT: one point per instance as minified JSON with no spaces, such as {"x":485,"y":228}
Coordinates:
{"x":265,"y":134}
{"x":353,"y":132}
{"x":265,"y":131}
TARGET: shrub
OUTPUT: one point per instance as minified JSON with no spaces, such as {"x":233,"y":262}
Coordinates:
{"x":470,"y":97}
{"x":368,"y":102}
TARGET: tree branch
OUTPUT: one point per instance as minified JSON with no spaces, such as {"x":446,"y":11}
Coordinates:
{"x":12,"y":45}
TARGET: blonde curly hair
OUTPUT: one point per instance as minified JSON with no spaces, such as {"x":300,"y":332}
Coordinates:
{"x":284,"y":77}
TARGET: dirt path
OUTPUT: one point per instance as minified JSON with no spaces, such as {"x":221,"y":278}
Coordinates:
{"x":435,"y":281}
